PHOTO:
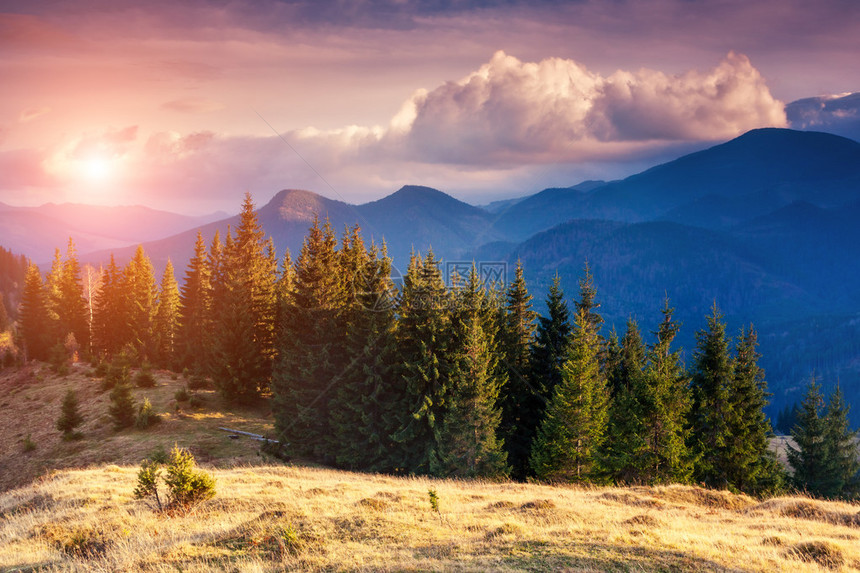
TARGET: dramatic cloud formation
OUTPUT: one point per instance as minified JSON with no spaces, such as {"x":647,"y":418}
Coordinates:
{"x":192,"y":103}
{"x":556,"y":110}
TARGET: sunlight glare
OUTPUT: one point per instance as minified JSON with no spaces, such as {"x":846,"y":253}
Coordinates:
{"x":96,"y":168}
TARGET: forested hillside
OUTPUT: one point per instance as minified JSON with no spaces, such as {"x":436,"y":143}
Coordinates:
{"x":448,"y":376}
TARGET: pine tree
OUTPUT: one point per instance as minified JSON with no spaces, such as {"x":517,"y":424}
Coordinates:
{"x":713,"y":373}
{"x":363,"y":410}
{"x":574,"y":429}
{"x":841,"y":476}
{"x":521,"y":403}
{"x":195,"y":310}
{"x":70,"y":415}
{"x":71,"y":306}
{"x":166,"y":324}
{"x":110,"y":313}
{"x":548,"y":352}
{"x":467,"y":442}
{"x":33,"y":316}
{"x":424,"y":333}
{"x":122,"y":407}
{"x":310,"y":358}
{"x":587,"y":302}
{"x":808,"y":458}
{"x":626,"y":457}
{"x":670,"y":460}
{"x":245,"y":300}
{"x":751,"y":466}
{"x":141,"y":294}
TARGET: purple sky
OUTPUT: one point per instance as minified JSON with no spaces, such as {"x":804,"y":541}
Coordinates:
{"x":185,"y":106}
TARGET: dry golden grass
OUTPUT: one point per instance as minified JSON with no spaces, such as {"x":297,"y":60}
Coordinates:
{"x":271,"y":518}
{"x":30,"y":400}
{"x":285,"y":517}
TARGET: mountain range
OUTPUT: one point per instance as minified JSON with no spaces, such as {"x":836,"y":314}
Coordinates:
{"x":765,"y":226}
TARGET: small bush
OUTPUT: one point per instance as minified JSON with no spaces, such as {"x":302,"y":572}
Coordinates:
{"x":101,"y":369}
{"x":144,"y":379}
{"x":29,"y":444}
{"x":186,"y":485}
{"x":117,"y":374}
{"x":434,"y":500}
{"x":70,"y":416}
{"x":182,"y":395}
{"x":146,"y":416}
{"x":197,"y":382}
{"x":122,"y":407}
{"x":196,"y":401}
{"x":59,"y":359}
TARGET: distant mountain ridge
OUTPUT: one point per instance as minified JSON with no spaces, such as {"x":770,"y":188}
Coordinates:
{"x":38,"y":231}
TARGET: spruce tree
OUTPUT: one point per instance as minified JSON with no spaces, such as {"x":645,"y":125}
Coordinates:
{"x":110,"y":313}
{"x":71,"y":305}
{"x":424,"y":340}
{"x":33,"y":316}
{"x":808,"y":457}
{"x":713,"y":373}
{"x":626,"y":456}
{"x":468,"y":445}
{"x":310,"y":347}
{"x":364,"y":408}
{"x":70,"y":415}
{"x":521,"y":403}
{"x":751,"y":466}
{"x":141,"y":294}
{"x":842,"y":466}
{"x":570,"y":438}
{"x":669,"y":458}
{"x":245,"y":299}
{"x":548,"y":352}
{"x":195,"y":308}
{"x":587,"y":302}
{"x":166,"y":324}
{"x":122,"y":406}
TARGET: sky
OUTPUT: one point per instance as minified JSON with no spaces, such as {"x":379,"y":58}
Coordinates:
{"x":185,"y":106}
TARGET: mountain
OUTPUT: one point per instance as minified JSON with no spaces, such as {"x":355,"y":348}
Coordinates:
{"x":37,"y":231}
{"x":749,"y":176}
{"x":413,"y":217}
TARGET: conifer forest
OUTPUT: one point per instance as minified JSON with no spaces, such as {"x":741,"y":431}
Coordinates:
{"x":436,"y":375}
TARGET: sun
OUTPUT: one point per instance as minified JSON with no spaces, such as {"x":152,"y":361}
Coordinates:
{"x":96,"y":169}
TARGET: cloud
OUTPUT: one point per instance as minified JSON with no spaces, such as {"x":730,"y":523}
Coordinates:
{"x":193,"y":105}
{"x":839,"y":114}
{"x":557,"y":110}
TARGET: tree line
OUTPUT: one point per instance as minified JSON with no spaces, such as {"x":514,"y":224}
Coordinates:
{"x":452,"y":378}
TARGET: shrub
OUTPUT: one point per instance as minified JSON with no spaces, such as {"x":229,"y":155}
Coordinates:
{"x":121,"y":407}
{"x":70,"y":416}
{"x":197,"y":381}
{"x":117,"y":374}
{"x":196,"y":401}
{"x":186,"y":485}
{"x":146,"y":416}
{"x":101,"y":369}
{"x":144,"y":379}
{"x":59,"y":359}
{"x":29,"y":444}
{"x":182,"y":395}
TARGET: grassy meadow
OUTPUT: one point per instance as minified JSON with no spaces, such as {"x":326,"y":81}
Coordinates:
{"x":69,"y":506}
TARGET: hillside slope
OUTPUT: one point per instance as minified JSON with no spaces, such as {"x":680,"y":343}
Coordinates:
{"x":272,"y":516}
